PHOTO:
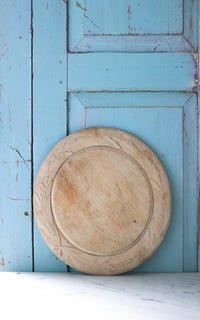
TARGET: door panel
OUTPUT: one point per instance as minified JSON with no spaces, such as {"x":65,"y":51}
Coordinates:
{"x":132,"y":17}
{"x":119,"y":70}
{"x":112,"y":49}
{"x":157,"y":119}
{"x":132,"y":71}
{"x":133,"y":25}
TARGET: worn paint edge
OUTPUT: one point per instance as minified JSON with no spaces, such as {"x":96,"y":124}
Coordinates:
{"x":32,"y":167}
{"x":198,"y":153}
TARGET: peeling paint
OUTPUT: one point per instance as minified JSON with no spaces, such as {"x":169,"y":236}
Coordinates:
{"x":15,"y":149}
{"x":94,"y":24}
{"x":28,"y":143}
{"x":191,"y":25}
{"x":129,"y":18}
{"x":22,"y":161}
{"x":15,"y":199}
{"x":84,"y":9}
{"x":79,"y":6}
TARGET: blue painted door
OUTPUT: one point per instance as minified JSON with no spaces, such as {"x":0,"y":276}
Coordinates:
{"x":127,"y":64}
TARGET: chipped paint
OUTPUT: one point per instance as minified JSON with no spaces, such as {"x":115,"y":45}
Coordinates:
{"x":79,"y":6}
{"x":15,"y":199}
{"x":29,"y":144}
{"x":84,"y":9}
{"x":196,"y":73}
{"x":15,"y":87}
{"x":94,"y":24}
{"x":129,"y":18}
{"x":15,"y":149}
{"x":191,"y":25}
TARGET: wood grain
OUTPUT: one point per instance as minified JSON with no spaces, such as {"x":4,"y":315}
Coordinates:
{"x":133,"y":26}
{"x":15,"y":136}
{"x":49,"y":98}
{"x":102,"y":201}
{"x":124,"y":71}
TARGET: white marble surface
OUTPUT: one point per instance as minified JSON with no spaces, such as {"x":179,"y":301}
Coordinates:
{"x":78,"y":296}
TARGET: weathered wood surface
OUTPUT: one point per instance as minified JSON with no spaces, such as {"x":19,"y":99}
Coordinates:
{"x":15,"y":136}
{"x":42,"y":35}
{"x":132,"y":72}
{"x":133,"y":25}
{"x":145,"y":114}
{"x":49,"y":100}
{"x":102,"y":201}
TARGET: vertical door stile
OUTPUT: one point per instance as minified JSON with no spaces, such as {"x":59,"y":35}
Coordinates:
{"x":15,"y":137}
{"x":49,"y":100}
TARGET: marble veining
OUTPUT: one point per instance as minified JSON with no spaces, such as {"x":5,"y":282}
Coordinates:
{"x":79,"y":296}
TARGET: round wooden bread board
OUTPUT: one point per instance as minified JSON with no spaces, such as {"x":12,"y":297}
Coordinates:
{"x":102,"y":201}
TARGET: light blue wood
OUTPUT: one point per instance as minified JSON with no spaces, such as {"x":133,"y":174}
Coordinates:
{"x":132,"y":71}
{"x":133,"y":26}
{"x":133,"y":17}
{"x":15,"y":136}
{"x":190,"y":27}
{"x":190,"y":186}
{"x":115,"y":45}
{"x":49,"y":99}
{"x":157,"y":119}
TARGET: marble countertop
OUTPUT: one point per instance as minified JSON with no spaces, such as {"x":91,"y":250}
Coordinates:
{"x":78,"y":296}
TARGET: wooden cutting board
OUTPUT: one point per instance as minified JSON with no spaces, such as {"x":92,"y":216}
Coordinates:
{"x":102,"y":201}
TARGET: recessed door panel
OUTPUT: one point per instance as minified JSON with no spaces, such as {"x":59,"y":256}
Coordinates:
{"x":157,"y":119}
{"x":133,"y":26}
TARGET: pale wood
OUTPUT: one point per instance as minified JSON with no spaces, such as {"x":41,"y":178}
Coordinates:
{"x":102,"y":201}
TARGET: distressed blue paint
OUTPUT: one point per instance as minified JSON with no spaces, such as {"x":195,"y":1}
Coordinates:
{"x":190,"y":186}
{"x":131,"y":71}
{"x":191,"y":13}
{"x":121,"y":34}
{"x":15,"y":136}
{"x":133,"y":17}
{"x":155,"y":25}
{"x":157,"y":119}
{"x":49,"y":95}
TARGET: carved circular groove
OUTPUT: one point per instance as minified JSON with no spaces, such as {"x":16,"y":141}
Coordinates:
{"x":102,"y":214}
{"x":102,"y":201}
